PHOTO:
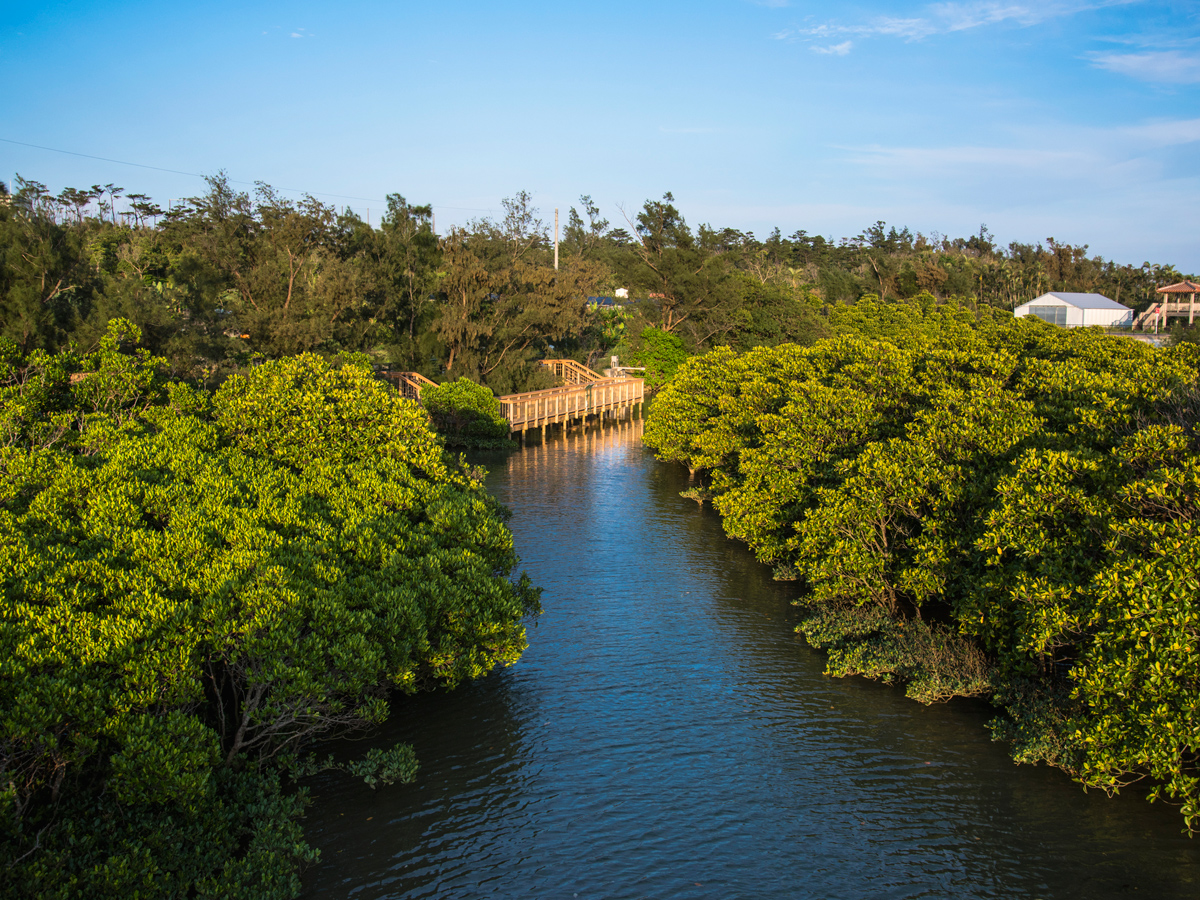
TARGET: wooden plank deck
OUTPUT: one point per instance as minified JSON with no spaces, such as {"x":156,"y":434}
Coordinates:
{"x":585,"y":394}
{"x":611,"y":397}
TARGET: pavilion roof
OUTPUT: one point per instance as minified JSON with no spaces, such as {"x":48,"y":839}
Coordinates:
{"x":1181,"y":287}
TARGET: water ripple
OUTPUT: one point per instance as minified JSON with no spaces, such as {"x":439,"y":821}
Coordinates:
{"x":667,"y":736}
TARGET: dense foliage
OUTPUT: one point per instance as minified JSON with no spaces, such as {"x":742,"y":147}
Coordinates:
{"x":659,"y":355}
{"x":227,"y":277}
{"x":976,"y":506}
{"x":196,"y":587}
{"x":228,"y":540}
{"x":466,"y":414}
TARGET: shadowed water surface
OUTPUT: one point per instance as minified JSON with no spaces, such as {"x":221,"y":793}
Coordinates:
{"x":666,"y":735}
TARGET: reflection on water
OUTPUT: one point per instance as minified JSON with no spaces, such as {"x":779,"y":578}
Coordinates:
{"x":667,"y":735}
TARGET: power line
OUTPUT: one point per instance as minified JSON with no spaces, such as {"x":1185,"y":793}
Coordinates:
{"x":102,"y":158}
{"x":122,"y":162}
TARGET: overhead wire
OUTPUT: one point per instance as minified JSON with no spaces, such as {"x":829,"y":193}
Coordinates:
{"x":122,"y":162}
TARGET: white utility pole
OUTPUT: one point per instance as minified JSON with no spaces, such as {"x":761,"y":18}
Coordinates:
{"x":556,"y":239}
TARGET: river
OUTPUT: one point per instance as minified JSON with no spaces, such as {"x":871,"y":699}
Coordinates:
{"x":667,"y":735}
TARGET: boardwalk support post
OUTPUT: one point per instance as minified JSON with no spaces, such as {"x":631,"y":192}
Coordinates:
{"x":584,"y":394}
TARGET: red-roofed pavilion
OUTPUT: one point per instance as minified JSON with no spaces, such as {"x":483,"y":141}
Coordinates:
{"x":1173,"y":291}
{"x":1172,"y":304}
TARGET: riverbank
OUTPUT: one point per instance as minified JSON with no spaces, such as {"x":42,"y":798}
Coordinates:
{"x":976,"y":506}
{"x":668,"y":735}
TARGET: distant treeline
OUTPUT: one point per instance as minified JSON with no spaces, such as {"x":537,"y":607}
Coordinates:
{"x":225,"y":276}
{"x":976,"y":505}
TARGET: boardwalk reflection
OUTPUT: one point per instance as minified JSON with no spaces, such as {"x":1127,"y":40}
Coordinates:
{"x":667,"y":736}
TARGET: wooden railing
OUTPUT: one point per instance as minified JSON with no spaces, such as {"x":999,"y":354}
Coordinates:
{"x":585,"y":394}
{"x":408,"y":383}
{"x":563,"y":404}
{"x":1161,"y":312}
{"x":571,"y":372}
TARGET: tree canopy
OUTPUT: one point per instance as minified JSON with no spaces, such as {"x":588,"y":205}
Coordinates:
{"x":197,"y":586}
{"x":974,"y":505}
{"x":231,"y":276}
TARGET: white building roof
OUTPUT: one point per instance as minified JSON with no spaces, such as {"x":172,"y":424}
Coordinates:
{"x":1082,"y":301}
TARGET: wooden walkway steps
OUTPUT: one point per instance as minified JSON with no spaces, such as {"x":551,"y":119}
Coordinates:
{"x":1172,"y":304}
{"x":1159,"y":315}
{"x":571,"y":372}
{"x":584,"y":395}
{"x":610,"y":398}
{"x":408,"y":383}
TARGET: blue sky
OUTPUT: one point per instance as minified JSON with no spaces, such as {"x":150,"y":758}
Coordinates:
{"x":1073,"y":120}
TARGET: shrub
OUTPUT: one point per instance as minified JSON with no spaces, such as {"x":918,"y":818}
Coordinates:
{"x":467,"y":415}
{"x":194,"y":591}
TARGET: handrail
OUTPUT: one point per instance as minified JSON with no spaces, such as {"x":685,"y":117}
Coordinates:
{"x":538,"y":408}
{"x":545,"y":392}
{"x":570,"y":371}
{"x":590,"y":394}
{"x":408,"y":383}
{"x":1166,"y":306}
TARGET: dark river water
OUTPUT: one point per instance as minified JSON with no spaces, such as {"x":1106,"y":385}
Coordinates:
{"x":667,"y":735}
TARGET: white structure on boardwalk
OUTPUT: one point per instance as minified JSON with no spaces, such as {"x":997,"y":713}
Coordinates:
{"x":1070,"y":310}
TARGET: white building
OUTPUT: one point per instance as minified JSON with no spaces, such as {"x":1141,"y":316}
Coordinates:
{"x":1077,"y":310}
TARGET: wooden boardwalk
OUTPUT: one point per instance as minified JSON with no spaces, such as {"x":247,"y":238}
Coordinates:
{"x":409,"y":384}
{"x":584,"y":395}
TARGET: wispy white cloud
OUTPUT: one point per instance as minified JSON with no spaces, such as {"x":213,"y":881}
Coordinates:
{"x":965,"y":16}
{"x":1162,"y":66}
{"x":835,"y":49}
{"x":1038,"y":155}
{"x":947,"y":18}
{"x":1166,"y":133}
{"x":932,"y":159}
{"x":1038,"y":181}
